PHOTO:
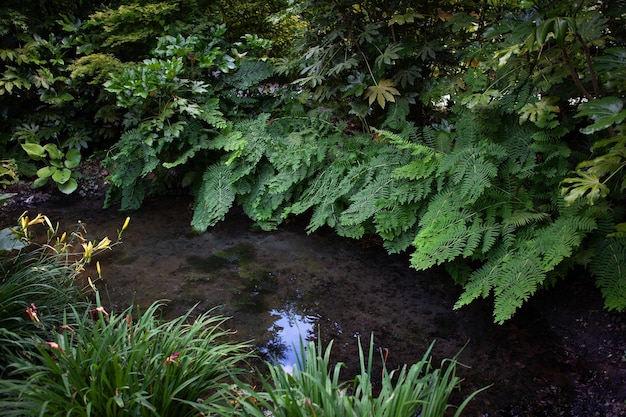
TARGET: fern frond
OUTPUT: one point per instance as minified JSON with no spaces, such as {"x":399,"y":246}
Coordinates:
{"x":511,"y":275}
{"x":521,"y":218}
{"x":259,"y":204}
{"x":393,"y":221}
{"x":449,"y":229}
{"x":212,"y":115}
{"x":367,"y":202}
{"x":250,"y":73}
{"x":134,"y":160}
{"x":482,"y":281}
{"x":215,"y":197}
{"x":521,"y":277}
{"x":609,"y":268}
{"x":400,"y":242}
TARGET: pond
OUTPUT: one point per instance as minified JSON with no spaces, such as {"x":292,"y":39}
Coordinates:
{"x":560,"y":355}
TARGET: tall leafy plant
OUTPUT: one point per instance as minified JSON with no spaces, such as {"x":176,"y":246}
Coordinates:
{"x":175,"y":102}
{"x":479,"y":188}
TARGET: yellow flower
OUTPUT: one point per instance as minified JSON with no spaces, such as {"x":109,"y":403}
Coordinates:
{"x":126,"y":223}
{"x":91,"y":284}
{"x":119,"y":232}
{"x":104,"y":244}
{"x":88,"y":250}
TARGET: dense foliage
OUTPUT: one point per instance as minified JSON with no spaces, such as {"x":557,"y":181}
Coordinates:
{"x":488,"y":138}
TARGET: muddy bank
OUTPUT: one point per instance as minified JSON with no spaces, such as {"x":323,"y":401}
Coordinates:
{"x":561,"y":355}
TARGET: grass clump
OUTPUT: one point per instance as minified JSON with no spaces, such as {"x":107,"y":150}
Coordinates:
{"x":314,"y":388}
{"x":112,"y":365}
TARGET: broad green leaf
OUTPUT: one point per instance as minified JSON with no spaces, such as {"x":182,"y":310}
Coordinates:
{"x":46,"y":172}
{"x":605,"y":112}
{"x":34,"y":150}
{"x":389,"y":56}
{"x":72,"y":158}
{"x":480,"y":99}
{"x":69,"y":187}
{"x":586,"y":184}
{"x":401,"y":19}
{"x":53,"y":151}
{"x":9,"y":241}
{"x":61,"y":176}
{"x":542,"y":113}
{"x":39,"y":182}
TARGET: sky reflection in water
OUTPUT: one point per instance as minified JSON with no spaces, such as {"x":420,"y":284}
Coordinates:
{"x":288,"y":331}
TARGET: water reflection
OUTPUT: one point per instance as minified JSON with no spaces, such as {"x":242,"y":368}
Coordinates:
{"x":289,"y":330}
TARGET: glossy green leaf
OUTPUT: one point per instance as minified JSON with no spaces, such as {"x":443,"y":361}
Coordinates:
{"x":72,"y":158}
{"x":46,"y":172}
{"x":61,"y":176}
{"x":605,"y":112}
{"x":39,"y":182}
{"x":68,"y":187}
{"x":53,"y":151}
{"x":34,"y":150}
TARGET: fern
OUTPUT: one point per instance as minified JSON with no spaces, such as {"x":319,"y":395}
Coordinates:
{"x":609,"y":268}
{"x":519,"y":279}
{"x":324,"y":195}
{"x":520,"y":218}
{"x":133,"y":160}
{"x":250,"y":73}
{"x":519,"y":263}
{"x":367,"y":202}
{"x":214,"y":198}
{"x":259,"y":204}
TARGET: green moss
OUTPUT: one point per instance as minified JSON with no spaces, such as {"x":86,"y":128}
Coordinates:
{"x":207,"y":264}
{"x":241,"y":254}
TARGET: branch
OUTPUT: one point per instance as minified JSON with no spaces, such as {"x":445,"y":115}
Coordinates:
{"x":592,"y":72}
{"x":574,"y":75}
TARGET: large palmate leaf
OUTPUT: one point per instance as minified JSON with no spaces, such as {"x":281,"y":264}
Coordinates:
{"x":605,"y":112}
{"x":586,"y":184}
{"x":382,"y":92}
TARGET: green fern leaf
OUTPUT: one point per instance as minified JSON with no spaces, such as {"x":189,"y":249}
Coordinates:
{"x":215,"y":197}
{"x":394,"y":221}
{"x":250,"y":73}
{"x":609,"y":268}
{"x":482,"y":280}
{"x":521,"y":218}
{"x":367,"y":202}
{"x":521,"y":277}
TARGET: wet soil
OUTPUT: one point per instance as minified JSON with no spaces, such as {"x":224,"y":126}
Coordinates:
{"x":561,"y":355}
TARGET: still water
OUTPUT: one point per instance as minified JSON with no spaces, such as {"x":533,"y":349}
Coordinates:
{"x":283,"y":287}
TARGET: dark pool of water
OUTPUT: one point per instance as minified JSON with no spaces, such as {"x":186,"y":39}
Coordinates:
{"x":281,"y":286}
